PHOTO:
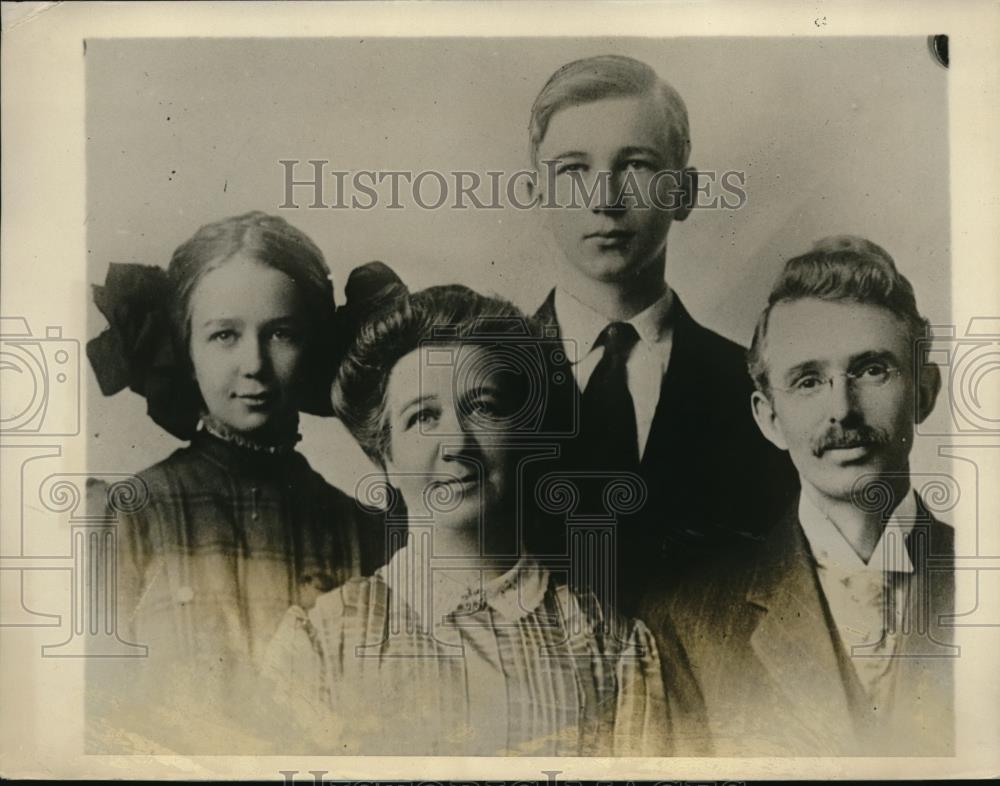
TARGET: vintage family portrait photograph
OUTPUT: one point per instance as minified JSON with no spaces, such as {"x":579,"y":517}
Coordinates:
{"x":519,"y":394}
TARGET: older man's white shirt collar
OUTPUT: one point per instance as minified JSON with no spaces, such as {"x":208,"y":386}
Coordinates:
{"x":832,"y":550}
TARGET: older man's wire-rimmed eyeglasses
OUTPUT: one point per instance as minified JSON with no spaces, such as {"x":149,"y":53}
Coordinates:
{"x":814,"y":384}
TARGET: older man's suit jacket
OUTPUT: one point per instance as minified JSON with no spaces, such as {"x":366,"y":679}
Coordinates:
{"x":774,"y":674}
{"x":707,"y":469}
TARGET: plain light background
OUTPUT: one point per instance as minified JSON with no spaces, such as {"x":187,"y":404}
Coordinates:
{"x":836,"y":135}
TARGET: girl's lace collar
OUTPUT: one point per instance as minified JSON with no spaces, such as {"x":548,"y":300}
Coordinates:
{"x":221,"y":431}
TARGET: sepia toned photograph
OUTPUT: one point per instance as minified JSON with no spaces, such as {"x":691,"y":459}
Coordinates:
{"x":507,"y":395}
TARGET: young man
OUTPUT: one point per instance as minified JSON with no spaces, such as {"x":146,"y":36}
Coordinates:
{"x":659,"y":395}
{"x":826,"y":639}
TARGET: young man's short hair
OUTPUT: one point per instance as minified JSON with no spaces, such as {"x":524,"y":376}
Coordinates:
{"x":841,"y":268}
{"x":610,"y":76}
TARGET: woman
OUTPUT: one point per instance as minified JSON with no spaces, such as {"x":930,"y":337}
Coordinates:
{"x":227,"y":345}
{"x":463,"y":644}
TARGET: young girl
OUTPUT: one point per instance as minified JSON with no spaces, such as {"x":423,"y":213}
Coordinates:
{"x":227,"y":345}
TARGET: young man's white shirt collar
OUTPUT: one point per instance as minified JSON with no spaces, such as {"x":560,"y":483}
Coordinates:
{"x":580,"y":326}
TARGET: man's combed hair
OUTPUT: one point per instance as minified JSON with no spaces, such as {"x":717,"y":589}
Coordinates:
{"x":611,"y":76}
{"x":443,"y":314}
{"x":839,"y":268}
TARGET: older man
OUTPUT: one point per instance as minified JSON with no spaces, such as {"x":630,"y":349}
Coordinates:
{"x":826,"y":637}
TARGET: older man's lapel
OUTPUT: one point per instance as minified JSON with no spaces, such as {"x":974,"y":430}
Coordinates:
{"x":931,"y":546}
{"x":924,"y":700}
{"x":793,"y":640}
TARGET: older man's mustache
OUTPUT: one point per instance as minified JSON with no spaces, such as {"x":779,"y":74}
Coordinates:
{"x":839,"y":438}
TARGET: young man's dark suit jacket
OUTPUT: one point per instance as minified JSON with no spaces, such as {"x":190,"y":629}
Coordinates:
{"x":774,"y":675}
{"x":708,"y":470}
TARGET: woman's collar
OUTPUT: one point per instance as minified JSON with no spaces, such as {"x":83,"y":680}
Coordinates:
{"x":436,"y":587}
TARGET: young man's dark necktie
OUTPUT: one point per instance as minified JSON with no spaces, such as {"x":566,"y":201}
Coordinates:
{"x":608,"y":427}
